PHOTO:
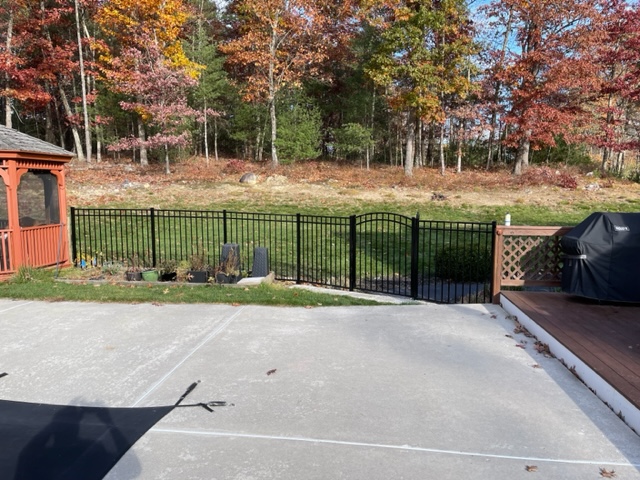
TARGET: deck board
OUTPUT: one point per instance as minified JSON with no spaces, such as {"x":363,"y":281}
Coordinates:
{"x":606,"y":337}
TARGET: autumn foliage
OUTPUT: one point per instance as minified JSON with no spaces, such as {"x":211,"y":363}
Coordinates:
{"x":425,"y":83}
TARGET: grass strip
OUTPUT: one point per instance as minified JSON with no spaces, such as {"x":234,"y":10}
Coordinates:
{"x":35,"y":284}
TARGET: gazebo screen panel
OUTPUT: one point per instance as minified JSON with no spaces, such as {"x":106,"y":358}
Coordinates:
{"x":38,"y":202}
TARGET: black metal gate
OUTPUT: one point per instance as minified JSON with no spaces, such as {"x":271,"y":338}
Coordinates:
{"x":438,"y":261}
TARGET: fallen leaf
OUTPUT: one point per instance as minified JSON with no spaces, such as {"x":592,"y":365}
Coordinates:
{"x":607,"y":473}
{"x":531,"y":468}
{"x":271,"y":372}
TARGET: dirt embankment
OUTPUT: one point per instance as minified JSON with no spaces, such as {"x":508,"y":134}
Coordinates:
{"x":308,"y":184}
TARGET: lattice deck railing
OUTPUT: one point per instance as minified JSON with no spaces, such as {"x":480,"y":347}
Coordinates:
{"x":527,"y":256}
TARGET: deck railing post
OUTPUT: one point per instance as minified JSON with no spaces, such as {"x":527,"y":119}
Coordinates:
{"x":496,"y":270}
{"x":494,"y":226}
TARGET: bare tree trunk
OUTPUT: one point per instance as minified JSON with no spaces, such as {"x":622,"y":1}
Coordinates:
{"x":522,"y":155}
{"x":496,"y":92}
{"x":272,"y":98}
{"x":459,"y":152}
{"x":443,"y":164}
{"x":206,"y":135}
{"x":419,"y":160}
{"x":142,"y":136}
{"x":83,"y":84}
{"x":411,"y":143}
{"x":8,"y":101}
{"x":74,"y":129}
{"x":215,"y":137}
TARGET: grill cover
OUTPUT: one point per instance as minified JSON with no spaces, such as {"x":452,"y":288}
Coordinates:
{"x":602,"y":258}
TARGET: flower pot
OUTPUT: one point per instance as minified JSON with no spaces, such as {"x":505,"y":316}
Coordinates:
{"x":133,"y":276}
{"x":198,"y":276}
{"x":222,"y":277}
{"x":150,"y":275}
{"x":169,"y":277}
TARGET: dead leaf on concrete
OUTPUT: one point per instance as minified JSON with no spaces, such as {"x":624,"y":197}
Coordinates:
{"x":543,"y":348}
{"x":521,"y":329}
{"x":607,"y":473}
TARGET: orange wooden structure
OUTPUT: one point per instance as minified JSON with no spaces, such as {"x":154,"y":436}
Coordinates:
{"x":33,"y":207}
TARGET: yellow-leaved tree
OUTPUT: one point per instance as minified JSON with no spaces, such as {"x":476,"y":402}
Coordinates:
{"x":132,"y":24}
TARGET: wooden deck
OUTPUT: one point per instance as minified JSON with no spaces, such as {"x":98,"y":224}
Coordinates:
{"x":606,"y":337}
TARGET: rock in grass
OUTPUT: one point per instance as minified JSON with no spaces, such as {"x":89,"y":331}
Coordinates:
{"x":249,"y":178}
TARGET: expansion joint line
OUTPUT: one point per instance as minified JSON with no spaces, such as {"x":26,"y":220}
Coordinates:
{"x":212,"y":335}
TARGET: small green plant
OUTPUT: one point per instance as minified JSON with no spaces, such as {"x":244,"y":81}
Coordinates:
{"x":25,"y":274}
{"x":134,"y":264}
{"x":112,"y":268}
{"x":167,"y":267}
{"x":230,"y":265}
{"x":182,"y":271}
{"x":463,"y":264}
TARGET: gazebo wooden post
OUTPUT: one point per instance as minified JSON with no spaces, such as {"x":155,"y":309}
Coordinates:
{"x":13,"y":214}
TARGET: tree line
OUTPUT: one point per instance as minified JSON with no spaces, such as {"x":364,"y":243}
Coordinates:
{"x":441,"y":83}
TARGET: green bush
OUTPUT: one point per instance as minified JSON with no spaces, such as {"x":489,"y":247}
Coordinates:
{"x":463,"y":264}
{"x":299,"y":129}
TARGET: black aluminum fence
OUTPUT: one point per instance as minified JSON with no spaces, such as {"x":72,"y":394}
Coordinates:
{"x":445,"y":262}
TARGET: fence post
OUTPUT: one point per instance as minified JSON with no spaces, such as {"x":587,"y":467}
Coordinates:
{"x":298,"y":249}
{"x":496,"y":269}
{"x":352,"y":253}
{"x":74,"y":248}
{"x":224,"y":226}
{"x":152,"y":218}
{"x":415,"y":237}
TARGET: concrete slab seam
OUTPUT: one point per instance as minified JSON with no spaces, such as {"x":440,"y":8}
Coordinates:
{"x":213,"y":334}
{"x":395,"y":447}
{"x":14,"y":307}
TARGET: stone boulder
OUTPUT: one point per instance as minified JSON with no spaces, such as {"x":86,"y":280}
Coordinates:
{"x":249,"y":178}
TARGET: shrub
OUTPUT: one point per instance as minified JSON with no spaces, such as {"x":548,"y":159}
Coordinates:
{"x":548,"y":176}
{"x":463,"y":264}
{"x":234,"y":166}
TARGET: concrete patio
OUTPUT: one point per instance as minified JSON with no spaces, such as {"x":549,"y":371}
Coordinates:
{"x":384,"y":392}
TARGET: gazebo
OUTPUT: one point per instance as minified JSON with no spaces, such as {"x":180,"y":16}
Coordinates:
{"x":33,"y":207}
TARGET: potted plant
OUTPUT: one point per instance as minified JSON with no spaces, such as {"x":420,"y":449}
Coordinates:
{"x":134,"y":269}
{"x":150,"y":275}
{"x":198,"y":268}
{"x":168,"y":271}
{"x":228,"y":271}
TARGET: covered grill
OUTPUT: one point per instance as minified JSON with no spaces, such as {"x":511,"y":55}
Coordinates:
{"x":602,"y":258}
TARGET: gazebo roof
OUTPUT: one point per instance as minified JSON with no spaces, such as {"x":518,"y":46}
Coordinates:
{"x":13,"y":141}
